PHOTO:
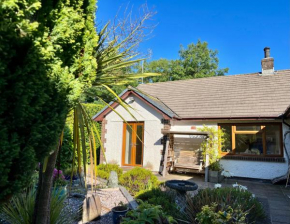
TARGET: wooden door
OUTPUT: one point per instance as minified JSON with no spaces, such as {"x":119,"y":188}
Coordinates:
{"x":133,"y":136}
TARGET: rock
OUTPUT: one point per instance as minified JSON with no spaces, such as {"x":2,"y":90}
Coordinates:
{"x":113,"y":180}
{"x":91,"y":208}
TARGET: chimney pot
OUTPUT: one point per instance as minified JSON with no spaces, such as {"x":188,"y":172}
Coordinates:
{"x":267,"y":63}
{"x":266,"y":52}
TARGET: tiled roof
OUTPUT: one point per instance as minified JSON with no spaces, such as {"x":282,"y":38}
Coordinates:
{"x":234,"y":96}
{"x":157,"y":103}
{"x":151,"y":100}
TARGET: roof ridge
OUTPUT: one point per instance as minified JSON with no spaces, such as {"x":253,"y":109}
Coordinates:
{"x":187,"y":80}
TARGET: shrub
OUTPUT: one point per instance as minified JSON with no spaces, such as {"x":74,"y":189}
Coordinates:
{"x":139,"y":179}
{"x":215,"y":214}
{"x":147,"y":213}
{"x":165,"y":199}
{"x":21,"y":206}
{"x":237,"y":198}
{"x":104,"y":170}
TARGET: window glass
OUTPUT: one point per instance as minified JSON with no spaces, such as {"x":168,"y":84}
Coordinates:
{"x":273,"y":140}
{"x":139,"y":145}
{"x":128,"y":149}
{"x":248,"y":128}
{"x":250,"y":144}
{"x":227,"y":145}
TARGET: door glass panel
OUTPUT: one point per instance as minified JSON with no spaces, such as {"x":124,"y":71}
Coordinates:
{"x":139,"y":145}
{"x":249,"y":144}
{"x":128,"y":149}
{"x":273,"y":139}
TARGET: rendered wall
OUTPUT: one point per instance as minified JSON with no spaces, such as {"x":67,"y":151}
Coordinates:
{"x":241,"y":168}
{"x":152,"y":133}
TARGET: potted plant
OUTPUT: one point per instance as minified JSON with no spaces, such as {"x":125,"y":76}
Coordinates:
{"x":215,"y":172}
{"x":59,"y":183}
{"x":119,"y":212}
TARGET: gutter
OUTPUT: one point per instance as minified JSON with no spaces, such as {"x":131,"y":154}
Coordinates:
{"x":228,"y":118}
{"x":284,"y":122}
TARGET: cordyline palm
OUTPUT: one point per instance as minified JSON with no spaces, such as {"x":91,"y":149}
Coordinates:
{"x":111,"y":61}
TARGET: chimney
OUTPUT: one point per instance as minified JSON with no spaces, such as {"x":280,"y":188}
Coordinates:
{"x":267,"y":63}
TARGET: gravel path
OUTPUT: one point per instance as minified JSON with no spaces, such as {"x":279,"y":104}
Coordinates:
{"x":109,"y":199}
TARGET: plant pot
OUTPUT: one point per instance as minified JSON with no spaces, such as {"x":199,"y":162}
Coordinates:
{"x":118,"y":213}
{"x":215,"y":176}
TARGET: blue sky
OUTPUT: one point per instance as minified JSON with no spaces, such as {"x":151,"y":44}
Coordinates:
{"x":239,"y":30}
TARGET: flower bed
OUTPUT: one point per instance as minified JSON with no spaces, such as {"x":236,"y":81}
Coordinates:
{"x":236,"y":202}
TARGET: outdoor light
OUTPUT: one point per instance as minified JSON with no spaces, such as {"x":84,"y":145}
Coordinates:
{"x":131,"y":99}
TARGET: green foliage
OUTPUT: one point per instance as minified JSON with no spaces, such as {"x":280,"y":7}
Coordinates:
{"x":68,"y":171}
{"x":139,"y":179}
{"x":66,"y":152}
{"x":195,"y":61}
{"x":165,"y":199}
{"x":239,"y":200}
{"x":198,"y":61}
{"x":211,"y":146}
{"x":46,"y":63}
{"x":104,"y":170}
{"x":213,"y":214}
{"x":51,"y":55}
{"x":21,"y":206}
{"x":147,"y":213}
{"x":59,"y":182}
{"x":103,"y":174}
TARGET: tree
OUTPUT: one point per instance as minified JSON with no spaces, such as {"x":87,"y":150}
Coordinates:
{"x":50,"y":56}
{"x":195,"y":61}
{"x":198,"y":61}
{"x":46,"y":63}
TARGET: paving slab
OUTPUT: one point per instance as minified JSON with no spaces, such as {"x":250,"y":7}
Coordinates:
{"x":281,"y":218}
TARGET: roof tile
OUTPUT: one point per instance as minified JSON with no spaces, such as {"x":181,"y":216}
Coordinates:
{"x":225,"y":96}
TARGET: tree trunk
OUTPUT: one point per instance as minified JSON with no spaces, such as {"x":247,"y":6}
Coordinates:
{"x":42,"y":203}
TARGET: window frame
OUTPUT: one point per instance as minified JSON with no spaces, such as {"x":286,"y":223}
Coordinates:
{"x":234,"y":132}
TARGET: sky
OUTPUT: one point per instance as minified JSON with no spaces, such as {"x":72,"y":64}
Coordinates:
{"x":239,"y":30}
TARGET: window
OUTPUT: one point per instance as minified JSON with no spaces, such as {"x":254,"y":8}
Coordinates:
{"x":252,"y":139}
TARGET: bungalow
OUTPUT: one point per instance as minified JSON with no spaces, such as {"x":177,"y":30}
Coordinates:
{"x":252,"y":109}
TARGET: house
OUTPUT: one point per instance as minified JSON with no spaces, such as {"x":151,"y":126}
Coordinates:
{"x":252,"y":109}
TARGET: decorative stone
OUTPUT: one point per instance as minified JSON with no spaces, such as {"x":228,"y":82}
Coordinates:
{"x":113,"y":180}
{"x":91,"y":208}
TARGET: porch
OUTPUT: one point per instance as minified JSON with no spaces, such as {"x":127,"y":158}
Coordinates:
{"x":275,"y":198}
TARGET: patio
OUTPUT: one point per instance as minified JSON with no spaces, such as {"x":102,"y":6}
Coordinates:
{"x":275,"y":198}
